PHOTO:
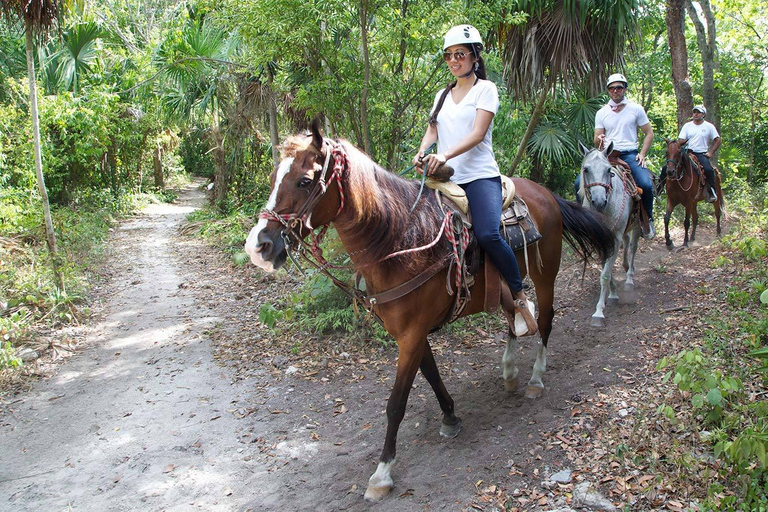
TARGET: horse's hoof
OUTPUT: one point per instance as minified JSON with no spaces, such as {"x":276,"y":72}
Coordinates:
{"x":450,"y":431}
{"x":533,"y":392}
{"x":376,"y":493}
{"x":511,"y":385}
{"x":612,"y":301}
{"x":379,"y":484}
{"x":629,"y":287}
{"x":597,"y":321}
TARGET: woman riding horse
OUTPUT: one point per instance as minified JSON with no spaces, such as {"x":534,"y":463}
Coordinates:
{"x":320,"y":181}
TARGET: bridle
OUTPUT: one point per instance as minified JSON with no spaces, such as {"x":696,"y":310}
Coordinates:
{"x":588,"y":186}
{"x":292,"y":221}
{"x":608,"y":189}
{"x":680,"y":169}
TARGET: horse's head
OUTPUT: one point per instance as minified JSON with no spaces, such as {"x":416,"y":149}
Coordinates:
{"x":596,"y":176}
{"x":674,"y":155}
{"x":300,"y":199}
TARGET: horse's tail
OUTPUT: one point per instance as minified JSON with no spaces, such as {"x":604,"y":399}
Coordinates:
{"x":585,"y":231}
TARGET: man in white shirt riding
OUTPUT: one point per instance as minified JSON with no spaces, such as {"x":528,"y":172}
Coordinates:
{"x":618,"y":122}
{"x":703,"y":141}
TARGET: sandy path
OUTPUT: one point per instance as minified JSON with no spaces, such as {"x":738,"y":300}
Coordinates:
{"x":142,"y":419}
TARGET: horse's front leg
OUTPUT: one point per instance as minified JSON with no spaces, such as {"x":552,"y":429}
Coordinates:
{"x":408,"y":362}
{"x":451,"y":423}
{"x":667,"y":216}
{"x":598,"y":317}
{"x":687,"y":224}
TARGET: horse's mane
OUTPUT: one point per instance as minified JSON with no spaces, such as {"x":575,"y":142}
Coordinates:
{"x":377,"y":214}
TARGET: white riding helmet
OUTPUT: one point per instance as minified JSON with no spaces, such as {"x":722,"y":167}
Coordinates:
{"x":700,"y":108}
{"x":462,"y":34}
{"x":617,"y":77}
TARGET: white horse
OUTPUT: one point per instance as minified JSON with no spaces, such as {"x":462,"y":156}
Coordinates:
{"x":603,"y":189}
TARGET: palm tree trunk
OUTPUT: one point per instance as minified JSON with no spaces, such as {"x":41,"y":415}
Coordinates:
{"x":221,"y":179}
{"x":157,"y":160}
{"x":532,"y":124}
{"x":274,"y":135}
{"x":50,"y":235}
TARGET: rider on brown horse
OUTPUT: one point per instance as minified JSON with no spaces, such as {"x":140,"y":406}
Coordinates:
{"x":703,"y":141}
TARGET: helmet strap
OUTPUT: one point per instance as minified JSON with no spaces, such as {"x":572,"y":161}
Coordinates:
{"x":474,"y":68}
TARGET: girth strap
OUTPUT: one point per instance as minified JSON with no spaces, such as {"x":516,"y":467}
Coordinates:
{"x":408,"y":286}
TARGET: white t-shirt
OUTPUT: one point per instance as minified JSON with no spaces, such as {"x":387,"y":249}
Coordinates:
{"x":621,"y":127}
{"x":455,"y":122}
{"x":698,"y":135}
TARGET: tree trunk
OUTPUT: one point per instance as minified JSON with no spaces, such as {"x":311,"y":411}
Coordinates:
{"x":157,"y":160}
{"x":274,"y":135}
{"x":363,"y":10}
{"x":679,"y":55}
{"x":706,"y":39}
{"x":221,"y":173}
{"x":532,"y":124}
{"x":50,"y":234}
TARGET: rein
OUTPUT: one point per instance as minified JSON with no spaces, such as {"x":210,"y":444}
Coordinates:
{"x":608,"y":189}
{"x":292,"y":221}
{"x":679,"y":174}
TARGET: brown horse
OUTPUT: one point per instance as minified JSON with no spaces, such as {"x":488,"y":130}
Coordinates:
{"x":686,"y":186}
{"x":370,"y":209}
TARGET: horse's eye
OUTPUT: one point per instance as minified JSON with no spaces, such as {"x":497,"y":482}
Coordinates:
{"x":304,"y":183}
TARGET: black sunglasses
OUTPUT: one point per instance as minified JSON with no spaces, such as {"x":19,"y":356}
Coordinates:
{"x":616,"y":88}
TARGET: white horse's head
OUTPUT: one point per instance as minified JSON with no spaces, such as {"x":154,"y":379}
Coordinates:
{"x":596,"y":177}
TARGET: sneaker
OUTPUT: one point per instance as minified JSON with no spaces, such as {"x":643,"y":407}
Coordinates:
{"x":712,"y":196}
{"x":525,"y":322}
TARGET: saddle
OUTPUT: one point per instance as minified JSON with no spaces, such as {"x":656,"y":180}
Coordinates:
{"x":698,"y":169}
{"x":625,"y":173}
{"x":516,"y":225}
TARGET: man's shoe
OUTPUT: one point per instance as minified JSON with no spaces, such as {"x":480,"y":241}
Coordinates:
{"x":712,"y":196}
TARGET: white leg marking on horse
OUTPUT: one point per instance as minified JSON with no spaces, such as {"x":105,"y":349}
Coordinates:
{"x":509,"y":363}
{"x":380,"y":482}
{"x":252,"y":242}
{"x":536,"y":385}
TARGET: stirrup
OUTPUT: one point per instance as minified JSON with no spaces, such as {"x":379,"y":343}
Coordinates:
{"x":712,"y":195}
{"x":525,"y":323}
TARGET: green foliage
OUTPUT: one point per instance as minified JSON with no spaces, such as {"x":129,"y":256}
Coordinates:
{"x":8,"y":358}
{"x":710,"y":390}
{"x":195,"y":156}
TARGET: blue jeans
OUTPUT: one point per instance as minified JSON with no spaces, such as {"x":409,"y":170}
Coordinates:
{"x":642,"y":178}
{"x":484,"y":197}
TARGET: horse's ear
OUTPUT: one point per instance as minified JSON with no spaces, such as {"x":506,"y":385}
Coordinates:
{"x":609,"y":149}
{"x":317,"y":138}
{"x":584,"y":149}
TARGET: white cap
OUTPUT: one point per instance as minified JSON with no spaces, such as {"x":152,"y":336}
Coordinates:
{"x":701,"y":109}
{"x":462,"y":34}
{"x":617,"y":77}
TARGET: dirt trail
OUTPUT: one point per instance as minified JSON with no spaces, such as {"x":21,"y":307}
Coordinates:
{"x":146,"y":418}
{"x":138,"y":420}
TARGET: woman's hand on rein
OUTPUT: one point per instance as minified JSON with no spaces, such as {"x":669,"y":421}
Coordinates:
{"x":418,"y":159}
{"x":434,"y":162}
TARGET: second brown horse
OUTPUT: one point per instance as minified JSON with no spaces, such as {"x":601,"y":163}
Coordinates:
{"x":685,"y":185}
